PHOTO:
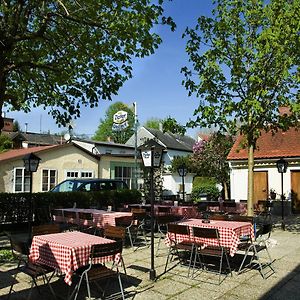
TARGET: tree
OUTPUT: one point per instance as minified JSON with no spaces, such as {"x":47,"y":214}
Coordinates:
{"x":66,"y":54}
{"x":244,"y":66}
{"x":5,"y":143}
{"x":168,"y":124}
{"x":153,"y":123}
{"x":105,"y":130}
{"x":209,"y":159}
{"x":171,"y":125}
{"x":16,"y":126}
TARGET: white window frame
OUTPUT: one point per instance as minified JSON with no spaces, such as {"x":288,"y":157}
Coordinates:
{"x":23,"y":180}
{"x":48,"y":183}
{"x":79,"y":173}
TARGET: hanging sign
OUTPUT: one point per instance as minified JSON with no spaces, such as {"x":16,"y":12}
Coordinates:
{"x":120,"y":121}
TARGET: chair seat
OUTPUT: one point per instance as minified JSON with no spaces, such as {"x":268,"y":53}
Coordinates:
{"x":100,"y":272}
{"x":184,"y":246}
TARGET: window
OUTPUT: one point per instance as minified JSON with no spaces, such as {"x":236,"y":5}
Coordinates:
{"x":21,"y":180}
{"x":124,"y":173}
{"x":79,"y":174}
{"x":48,"y":180}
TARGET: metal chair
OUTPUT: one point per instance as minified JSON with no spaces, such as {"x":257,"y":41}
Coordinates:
{"x":71,"y":219}
{"x":116,"y":233}
{"x":86,"y":223}
{"x":45,"y":229}
{"x":127,"y":223}
{"x":178,"y":248}
{"x":162,"y":227}
{"x":95,"y":272}
{"x":20,"y":252}
{"x":212,"y":249}
{"x":258,"y":245}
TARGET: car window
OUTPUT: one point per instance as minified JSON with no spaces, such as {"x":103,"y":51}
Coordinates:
{"x":66,"y":186}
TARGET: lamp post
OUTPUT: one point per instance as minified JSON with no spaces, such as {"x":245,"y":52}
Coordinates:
{"x":282,"y":167}
{"x":182,"y":171}
{"x":31,"y":163}
{"x":151,"y":153}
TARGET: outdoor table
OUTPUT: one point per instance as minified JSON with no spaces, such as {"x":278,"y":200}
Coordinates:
{"x":66,"y":251}
{"x":101,"y":218}
{"x":229,"y":231}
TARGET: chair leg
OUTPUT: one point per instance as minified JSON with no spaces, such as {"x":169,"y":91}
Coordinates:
{"x":121,"y":286}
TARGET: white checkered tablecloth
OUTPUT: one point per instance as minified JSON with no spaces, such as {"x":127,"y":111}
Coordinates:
{"x":229,"y":231}
{"x":66,"y":251}
{"x":101,"y":218}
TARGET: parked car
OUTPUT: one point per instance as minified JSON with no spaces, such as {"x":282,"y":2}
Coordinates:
{"x":95,"y":184}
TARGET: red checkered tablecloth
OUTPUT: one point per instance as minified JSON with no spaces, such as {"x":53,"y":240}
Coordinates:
{"x":229,"y":231}
{"x":66,"y":251}
{"x":101,"y":218}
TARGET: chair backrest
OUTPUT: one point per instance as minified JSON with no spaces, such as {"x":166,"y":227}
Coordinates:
{"x":70,"y":215}
{"x":165,"y":219}
{"x":238,"y":218}
{"x":264,"y":230}
{"x":208,"y":233}
{"x":178,"y":229}
{"x":102,"y":250}
{"x":45,"y":229}
{"x":85,"y":216}
{"x":124,"y":221}
{"x":139,"y":213}
{"x":115,"y":232}
{"x":219,"y":217}
{"x":57,"y":212}
{"x":163,"y":209}
{"x":19,"y":249}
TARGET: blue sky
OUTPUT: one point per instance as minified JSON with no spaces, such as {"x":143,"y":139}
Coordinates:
{"x":156,"y":83}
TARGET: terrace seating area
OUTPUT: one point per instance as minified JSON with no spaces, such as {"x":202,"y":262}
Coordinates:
{"x":174,"y":284}
{"x":229,"y":242}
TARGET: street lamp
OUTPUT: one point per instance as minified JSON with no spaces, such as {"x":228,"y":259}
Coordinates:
{"x":151,"y":153}
{"x":282,"y":167}
{"x":31,"y":163}
{"x":182,"y":171}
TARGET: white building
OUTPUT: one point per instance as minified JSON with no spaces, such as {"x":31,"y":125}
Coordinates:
{"x":270,"y":148}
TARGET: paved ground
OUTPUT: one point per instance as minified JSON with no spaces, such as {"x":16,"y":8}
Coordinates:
{"x":284,"y":284}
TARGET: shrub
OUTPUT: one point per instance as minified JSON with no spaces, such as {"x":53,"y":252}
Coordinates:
{"x":210,"y":190}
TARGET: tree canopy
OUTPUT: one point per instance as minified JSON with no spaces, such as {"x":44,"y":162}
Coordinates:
{"x":168,"y":124}
{"x":209,"y":158}
{"x":62,"y":55}
{"x":105,"y":130}
{"x":244,"y":65}
{"x":153,"y":123}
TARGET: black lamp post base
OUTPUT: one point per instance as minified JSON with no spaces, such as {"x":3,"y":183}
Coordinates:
{"x":152,"y":274}
{"x":283,"y":225}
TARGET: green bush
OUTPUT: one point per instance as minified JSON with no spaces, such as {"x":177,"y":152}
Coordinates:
{"x":210,"y":190}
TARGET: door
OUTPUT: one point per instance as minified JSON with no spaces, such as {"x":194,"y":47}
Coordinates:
{"x":295,"y":192}
{"x":260,"y":186}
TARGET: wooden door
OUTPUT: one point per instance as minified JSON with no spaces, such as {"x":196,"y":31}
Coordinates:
{"x":295,"y":192}
{"x":260,"y":186}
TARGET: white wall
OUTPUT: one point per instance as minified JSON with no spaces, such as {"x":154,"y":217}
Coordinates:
{"x":172,"y":183}
{"x":239,"y":181}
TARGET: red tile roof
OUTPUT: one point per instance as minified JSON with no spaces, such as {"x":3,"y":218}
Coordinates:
{"x":280,"y":144}
{"x":16,"y":153}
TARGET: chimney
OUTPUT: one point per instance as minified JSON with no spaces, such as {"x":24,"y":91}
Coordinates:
{"x":26,"y":125}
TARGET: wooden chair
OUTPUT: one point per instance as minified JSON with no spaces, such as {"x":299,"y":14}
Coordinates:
{"x":200,"y":252}
{"x":45,"y":229}
{"x":180,"y":249}
{"x":259,"y":244}
{"x":118,"y":234}
{"x":86,"y":223}
{"x":71,"y":219}
{"x":95,"y":272}
{"x":139,"y":222}
{"x":20,"y":252}
{"x":162,"y":227}
{"x":220,"y":217}
{"x":127,"y":223}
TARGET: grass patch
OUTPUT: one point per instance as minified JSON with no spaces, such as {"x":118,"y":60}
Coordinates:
{"x":6,"y":255}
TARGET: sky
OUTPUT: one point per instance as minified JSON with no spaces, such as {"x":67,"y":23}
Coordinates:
{"x":156,"y":84}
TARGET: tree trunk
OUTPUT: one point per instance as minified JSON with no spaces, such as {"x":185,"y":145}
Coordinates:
{"x":250,"y":180}
{"x":226,"y":196}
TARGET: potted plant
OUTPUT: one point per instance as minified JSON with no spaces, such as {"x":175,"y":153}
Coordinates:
{"x":272,"y":194}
